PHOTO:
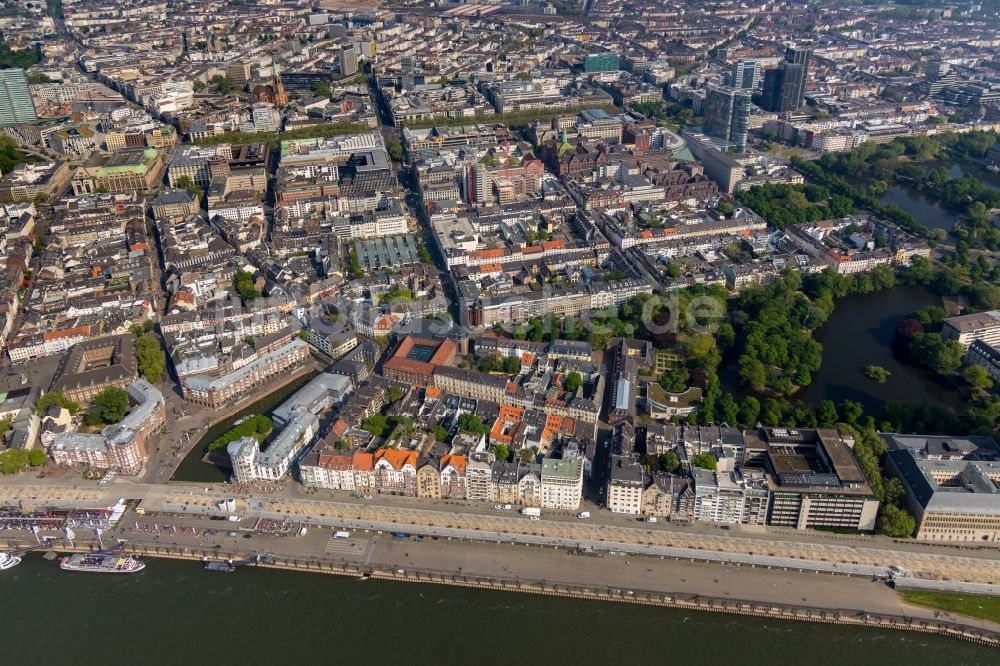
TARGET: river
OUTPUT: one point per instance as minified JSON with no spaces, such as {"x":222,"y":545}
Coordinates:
{"x":175,"y":613}
{"x":192,"y":468}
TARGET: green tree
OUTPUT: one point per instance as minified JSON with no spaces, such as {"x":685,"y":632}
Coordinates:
{"x":676,"y":380}
{"x":34,"y":78}
{"x":321,"y":89}
{"x":850,"y":411}
{"x":728,"y":409}
{"x":59,"y":399}
{"x":894,"y":492}
{"x":395,"y":150}
{"x":668,"y":462}
{"x":6,"y":424}
{"x":150,"y":358}
{"x":17,"y":58}
{"x":826,"y":414}
{"x":245,"y":286}
{"x":187,"y":183}
{"x":770,"y":412}
{"x":896,"y":522}
{"x":440,"y":433}
{"x":36,"y":457}
{"x":13,"y":461}
{"x":10,"y":156}
{"x":977,"y":377}
{"x":978,"y":213}
{"x":705,"y":461}
{"x":257,"y":426}
{"x":111,"y":404}
{"x":222,"y":84}
{"x":472,"y":423}
{"x":502,"y":452}
{"x":749,"y":411}
{"x":394,"y":393}
{"x":375,"y":424}
{"x":573,"y":381}
{"x":877,"y":374}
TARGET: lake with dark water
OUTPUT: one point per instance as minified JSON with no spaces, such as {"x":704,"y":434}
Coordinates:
{"x":927,"y":210}
{"x":859,"y":333}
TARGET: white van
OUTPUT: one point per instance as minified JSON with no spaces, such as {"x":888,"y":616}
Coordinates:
{"x":583,"y":515}
{"x":651,"y":519}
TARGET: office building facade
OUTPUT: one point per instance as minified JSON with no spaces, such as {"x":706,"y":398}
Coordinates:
{"x":600,"y":62}
{"x":784,"y":87}
{"x":348,"y":61}
{"x":746,"y":74}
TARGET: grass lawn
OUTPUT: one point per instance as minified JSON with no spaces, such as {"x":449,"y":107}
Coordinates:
{"x":971,"y":605}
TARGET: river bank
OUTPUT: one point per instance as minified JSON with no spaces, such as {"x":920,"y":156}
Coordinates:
{"x":757,"y":594}
{"x":181,"y":614}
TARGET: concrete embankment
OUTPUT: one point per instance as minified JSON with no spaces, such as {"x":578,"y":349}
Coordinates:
{"x":952,"y":627}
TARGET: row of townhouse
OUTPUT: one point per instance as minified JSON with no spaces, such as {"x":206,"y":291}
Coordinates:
{"x":219,"y":391}
{"x":265,"y":310}
{"x":558,"y":301}
{"x":554,"y":484}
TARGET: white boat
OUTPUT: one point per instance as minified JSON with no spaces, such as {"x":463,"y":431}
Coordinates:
{"x":98,"y":563}
{"x":8,"y":561}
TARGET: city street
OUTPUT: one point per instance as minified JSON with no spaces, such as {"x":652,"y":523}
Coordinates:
{"x":786,"y":549}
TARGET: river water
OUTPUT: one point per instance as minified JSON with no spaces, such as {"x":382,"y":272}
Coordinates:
{"x":176,"y":613}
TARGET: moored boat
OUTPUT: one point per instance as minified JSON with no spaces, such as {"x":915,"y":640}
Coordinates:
{"x":98,"y":563}
{"x":224,"y":567}
{"x":8,"y":561}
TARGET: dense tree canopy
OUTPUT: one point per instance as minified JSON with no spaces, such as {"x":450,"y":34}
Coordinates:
{"x":782,"y":204}
{"x":111,"y":404}
{"x":151,"y":359}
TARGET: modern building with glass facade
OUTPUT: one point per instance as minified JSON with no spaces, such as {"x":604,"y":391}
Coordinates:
{"x":784,"y":87}
{"x":600,"y":62}
{"x":16,"y":105}
{"x":727,"y":115}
